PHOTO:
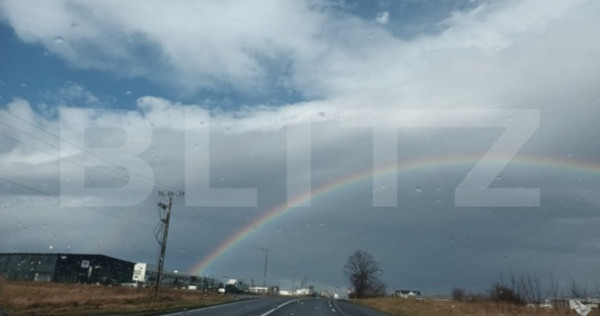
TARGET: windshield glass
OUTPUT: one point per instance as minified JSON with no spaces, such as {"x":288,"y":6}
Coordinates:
{"x":455,"y":143}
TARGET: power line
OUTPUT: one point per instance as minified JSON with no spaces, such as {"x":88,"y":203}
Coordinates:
{"x":115,"y":174}
{"x":75,"y":163}
{"x":92,"y":209}
{"x":74,"y":145}
{"x":73,"y":202}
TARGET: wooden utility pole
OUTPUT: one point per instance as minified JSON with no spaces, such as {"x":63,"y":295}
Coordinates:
{"x":266,"y":250}
{"x":163,"y":244}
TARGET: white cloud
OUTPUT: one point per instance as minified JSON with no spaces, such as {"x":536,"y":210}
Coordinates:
{"x":197,"y":44}
{"x":225,"y":45}
{"x":383,"y":17}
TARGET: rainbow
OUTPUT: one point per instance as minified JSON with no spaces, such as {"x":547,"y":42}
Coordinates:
{"x":368,"y":174}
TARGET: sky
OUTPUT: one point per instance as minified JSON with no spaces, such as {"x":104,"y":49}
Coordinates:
{"x":455,"y":141}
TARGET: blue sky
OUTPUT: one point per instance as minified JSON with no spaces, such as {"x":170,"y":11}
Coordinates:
{"x":255,"y":71}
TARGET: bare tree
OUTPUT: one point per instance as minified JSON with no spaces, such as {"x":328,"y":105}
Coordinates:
{"x":363,"y":272}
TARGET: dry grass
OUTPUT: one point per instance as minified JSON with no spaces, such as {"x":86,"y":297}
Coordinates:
{"x":27,"y":298}
{"x":430,"y":307}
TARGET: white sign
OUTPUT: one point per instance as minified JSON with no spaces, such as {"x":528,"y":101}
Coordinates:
{"x":139,"y":272}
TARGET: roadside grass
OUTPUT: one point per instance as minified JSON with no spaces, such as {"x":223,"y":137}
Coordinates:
{"x":29,"y":298}
{"x":431,"y":307}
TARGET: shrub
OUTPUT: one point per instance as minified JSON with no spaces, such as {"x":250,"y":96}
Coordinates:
{"x":2,"y":282}
{"x":502,"y":293}
{"x":458,"y":294}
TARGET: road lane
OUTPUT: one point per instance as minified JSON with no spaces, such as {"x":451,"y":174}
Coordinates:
{"x":252,"y":307}
{"x":324,"y":307}
{"x":285,"y":306}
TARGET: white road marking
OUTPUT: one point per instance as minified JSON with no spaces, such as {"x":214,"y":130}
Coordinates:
{"x":280,"y":306}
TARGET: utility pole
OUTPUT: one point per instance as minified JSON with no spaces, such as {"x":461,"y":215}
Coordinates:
{"x":163,"y":244}
{"x":266,"y":250}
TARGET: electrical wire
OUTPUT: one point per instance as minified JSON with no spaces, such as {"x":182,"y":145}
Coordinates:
{"x":96,"y":210}
{"x":207,"y":220}
{"x":110,"y":163}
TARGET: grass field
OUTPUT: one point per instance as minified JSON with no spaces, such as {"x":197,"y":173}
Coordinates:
{"x":429,"y":307}
{"x":28,"y":298}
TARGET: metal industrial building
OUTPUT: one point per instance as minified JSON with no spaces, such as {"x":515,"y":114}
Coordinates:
{"x":93,"y":269}
{"x":65,"y":268}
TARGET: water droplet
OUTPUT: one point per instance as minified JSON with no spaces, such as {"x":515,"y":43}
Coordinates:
{"x":59,"y":40}
{"x":418,"y":189}
{"x":322,"y":114}
{"x":51,"y":247}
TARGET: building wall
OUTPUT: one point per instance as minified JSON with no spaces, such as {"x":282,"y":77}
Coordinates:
{"x":31,"y":267}
{"x":65,"y":268}
{"x":88,"y":269}
{"x":81,"y":268}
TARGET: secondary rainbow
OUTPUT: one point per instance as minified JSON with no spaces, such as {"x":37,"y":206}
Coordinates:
{"x":368,"y":174}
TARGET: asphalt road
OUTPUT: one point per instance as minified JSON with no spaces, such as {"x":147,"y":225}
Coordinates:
{"x":284,"y":306}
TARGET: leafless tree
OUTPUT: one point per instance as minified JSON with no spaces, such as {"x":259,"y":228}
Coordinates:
{"x":363,"y":272}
